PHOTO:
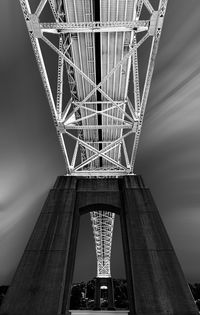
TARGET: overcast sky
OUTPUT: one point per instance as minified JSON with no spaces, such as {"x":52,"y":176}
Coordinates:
{"x":168,"y":156}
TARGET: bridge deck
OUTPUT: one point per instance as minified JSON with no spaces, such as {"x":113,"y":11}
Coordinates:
{"x":96,"y":54}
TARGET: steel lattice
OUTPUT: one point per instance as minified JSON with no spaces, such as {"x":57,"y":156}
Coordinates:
{"x":103,"y":223}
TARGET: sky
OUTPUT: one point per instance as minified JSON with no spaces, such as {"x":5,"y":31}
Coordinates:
{"x":168,"y":157}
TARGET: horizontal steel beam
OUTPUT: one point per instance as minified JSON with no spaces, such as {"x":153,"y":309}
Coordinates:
{"x":88,"y":27}
{"x":103,"y":127}
{"x":100,"y":172}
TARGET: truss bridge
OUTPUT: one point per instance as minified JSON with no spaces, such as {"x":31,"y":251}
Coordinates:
{"x":96,"y":59}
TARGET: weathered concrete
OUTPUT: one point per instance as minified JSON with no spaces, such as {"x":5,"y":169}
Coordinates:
{"x":42,"y":282}
{"x":38,"y":285}
{"x":159,"y":286}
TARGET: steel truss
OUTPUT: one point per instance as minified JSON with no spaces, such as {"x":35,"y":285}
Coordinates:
{"x":103,"y":223}
{"x":101,"y":119}
{"x":120,"y":118}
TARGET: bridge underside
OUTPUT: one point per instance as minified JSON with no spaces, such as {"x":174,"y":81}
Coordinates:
{"x":104,"y":52}
{"x":42,"y":283}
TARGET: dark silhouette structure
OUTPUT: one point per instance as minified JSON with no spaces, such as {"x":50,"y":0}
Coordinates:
{"x":42,"y":282}
{"x":108,"y":284}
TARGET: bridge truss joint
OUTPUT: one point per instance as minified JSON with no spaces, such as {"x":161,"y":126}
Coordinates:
{"x":34,"y":25}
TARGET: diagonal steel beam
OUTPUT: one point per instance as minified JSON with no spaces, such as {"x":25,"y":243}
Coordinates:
{"x":148,"y":6}
{"x":63,"y":148}
{"x":60,"y":81}
{"x":40,"y":7}
{"x":136,"y":83}
{"x":100,"y":152}
{"x":149,"y":74}
{"x":97,"y":155}
{"x":66,"y":110}
{"x":94,"y":157}
{"x":94,"y":113}
{"x":139,"y":8}
{"x":53,"y":9}
{"x":97,"y":87}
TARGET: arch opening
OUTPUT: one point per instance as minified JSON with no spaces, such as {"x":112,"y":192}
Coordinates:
{"x":83,"y":288}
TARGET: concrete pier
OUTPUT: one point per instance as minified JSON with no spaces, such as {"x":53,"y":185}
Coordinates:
{"x":42,"y":283}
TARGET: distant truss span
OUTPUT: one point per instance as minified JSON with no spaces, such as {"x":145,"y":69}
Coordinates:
{"x":103,"y":223}
{"x":98,"y":45}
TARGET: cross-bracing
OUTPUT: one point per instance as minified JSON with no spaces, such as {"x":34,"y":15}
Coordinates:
{"x":100,"y":125}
